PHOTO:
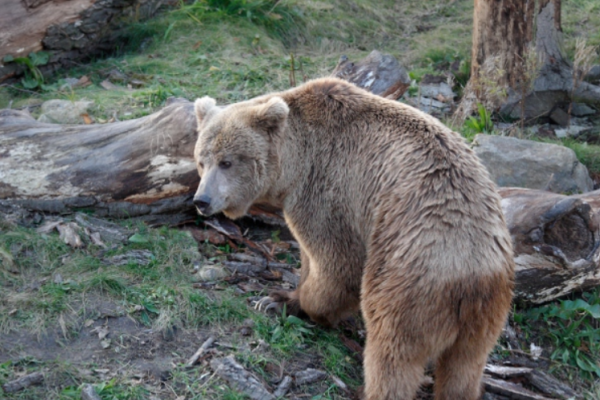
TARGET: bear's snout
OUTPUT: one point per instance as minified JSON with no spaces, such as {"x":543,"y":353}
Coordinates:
{"x":202,"y":203}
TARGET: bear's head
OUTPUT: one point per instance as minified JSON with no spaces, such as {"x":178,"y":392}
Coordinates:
{"x":236,"y":153}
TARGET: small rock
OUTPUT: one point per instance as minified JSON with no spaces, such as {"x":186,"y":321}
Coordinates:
{"x":212,"y":273}
{"x":560,"y":117}
{"x":246,"y":329}
{"x":89,"y":393}
{"x":64,"y":111}
{"x":435,"y":90}
{"x":546,"y":131}
{"x":572,"y":131}
{"x":594,"y":74}
{"x":108,"y":85}
{"x":117,"y":76}
{"x":69,"y":83}
{"x":136,"y":83}
{"x":582,"y":110}
{"x":58,"y":279}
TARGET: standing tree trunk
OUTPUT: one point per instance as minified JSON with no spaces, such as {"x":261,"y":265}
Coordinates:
{"x":502,"y":30}
{"x":518,"y":66}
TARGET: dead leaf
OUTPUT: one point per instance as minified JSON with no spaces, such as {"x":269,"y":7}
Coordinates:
{"x":102,"y":332}
{"x":105,"y":343}
{"x":97,"y":240}
{"x":88,"y":323}
{"x":12,"y":312}
{"x":197,"y":45}
{"x":213,"y":68}
{"x":87,"y":119}
{"x":211,"y":235}
{"x":84,"y":81}
{"x":69,"y":235}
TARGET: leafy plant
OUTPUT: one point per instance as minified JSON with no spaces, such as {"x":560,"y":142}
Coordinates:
{"x":481,"y":123}
{"x":573,"y":326}
{"x":33,"y":76}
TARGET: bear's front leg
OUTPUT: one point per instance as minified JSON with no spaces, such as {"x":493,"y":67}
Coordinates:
{"x":291,"y":299}
{"x":326,"y":294}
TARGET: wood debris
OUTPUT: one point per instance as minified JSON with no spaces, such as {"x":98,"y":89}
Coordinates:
{"x":23,"y":382}
{"x":194,"y":359}
{"x":239,"y":378}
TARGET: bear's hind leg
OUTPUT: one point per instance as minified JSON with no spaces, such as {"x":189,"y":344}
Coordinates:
{"x":460,"y":368}
{"x":391,"y":375}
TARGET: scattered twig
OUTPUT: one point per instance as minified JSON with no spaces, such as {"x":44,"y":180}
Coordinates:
{"x":309,"y":375}
{"x":193,"y":359}
{"x":283,"y":387}
{"x":23,"y":382}
{"x":239,"y":378}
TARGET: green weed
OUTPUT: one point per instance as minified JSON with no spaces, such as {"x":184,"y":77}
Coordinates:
{"x":587,"y":154}
{"x":573,"y":328}
{"x":482,"y":123}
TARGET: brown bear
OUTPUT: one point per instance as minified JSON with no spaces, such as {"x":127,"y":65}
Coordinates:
{"x":394,"y":215}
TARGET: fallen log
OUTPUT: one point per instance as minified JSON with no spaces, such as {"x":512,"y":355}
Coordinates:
{"x":556,"y":241}
{"x":140,"y":167}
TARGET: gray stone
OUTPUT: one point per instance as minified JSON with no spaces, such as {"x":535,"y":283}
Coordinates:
{"x":582,"y":110}
{"x":533,"y":165}
{"x":117,"y":76}
{"x":64,"y":111}
{"x":434,"y":90}
{"x":594,"y":74}
{"x":559,"y":116}
{"x":572,"y":131}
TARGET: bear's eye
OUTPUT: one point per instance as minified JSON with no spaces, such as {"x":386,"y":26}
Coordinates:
{"x":224,"y":164}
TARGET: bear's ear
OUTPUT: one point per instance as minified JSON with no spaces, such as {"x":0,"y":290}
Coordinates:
{"x":271,"y":115}
{"x":202,"y":107}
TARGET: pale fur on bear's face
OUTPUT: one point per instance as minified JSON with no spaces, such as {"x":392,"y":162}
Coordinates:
{"x":235,"y":153}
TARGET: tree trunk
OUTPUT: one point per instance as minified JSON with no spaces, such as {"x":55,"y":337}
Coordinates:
{"x":506,"y":75}
{"x":501,"y":30}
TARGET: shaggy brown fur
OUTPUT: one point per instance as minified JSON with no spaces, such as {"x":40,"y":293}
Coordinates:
{"x":394,"y":214}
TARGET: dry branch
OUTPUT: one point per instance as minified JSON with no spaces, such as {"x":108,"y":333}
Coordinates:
{"x":23,"y":382}
{"x":240,"y":379}
{"x":193,"y":359}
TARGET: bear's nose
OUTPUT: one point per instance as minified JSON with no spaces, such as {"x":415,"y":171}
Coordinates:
{"x":202,"y":203}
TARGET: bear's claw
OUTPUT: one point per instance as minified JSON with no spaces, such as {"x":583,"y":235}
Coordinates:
{"x":266,"y":303}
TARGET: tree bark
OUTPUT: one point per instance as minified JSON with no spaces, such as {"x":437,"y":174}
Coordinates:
{"x":505,"y":76}
{"x":501,"y":29}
